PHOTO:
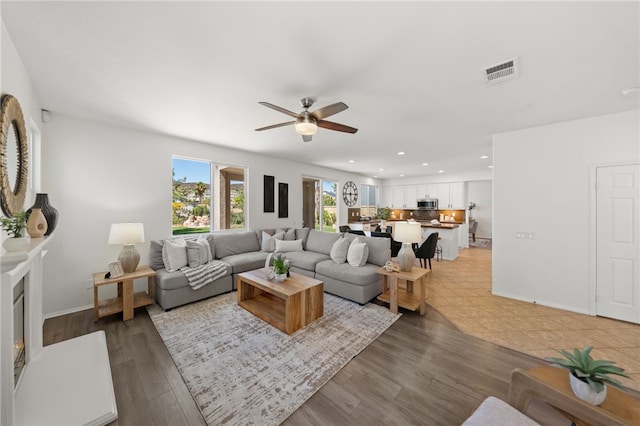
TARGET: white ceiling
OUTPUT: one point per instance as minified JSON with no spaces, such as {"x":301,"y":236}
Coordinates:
{"x":411,"y":73}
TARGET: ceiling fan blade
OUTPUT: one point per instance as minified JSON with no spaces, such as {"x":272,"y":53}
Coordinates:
{"x":274,"y":126}
{"x":282,"y":110}
{"x":306,"y":138}
{"x":336,"y":126}
{"x":329,"y":110}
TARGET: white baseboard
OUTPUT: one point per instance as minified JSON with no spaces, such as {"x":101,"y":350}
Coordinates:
{"x":541,"y":302}
{"x":66,"y":311}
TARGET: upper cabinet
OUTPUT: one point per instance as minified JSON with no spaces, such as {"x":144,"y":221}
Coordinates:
{"x":451,"y":196}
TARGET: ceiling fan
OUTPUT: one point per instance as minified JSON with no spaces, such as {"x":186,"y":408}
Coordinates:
{"x":307,"y":123}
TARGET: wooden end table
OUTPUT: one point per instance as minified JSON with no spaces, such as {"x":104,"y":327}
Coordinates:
{"x":407,"y":299}
{"x":288,"y":306}
{"x":127,"y":300}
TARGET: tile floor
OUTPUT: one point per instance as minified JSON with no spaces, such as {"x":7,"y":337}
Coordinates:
{"x":461,"y":291}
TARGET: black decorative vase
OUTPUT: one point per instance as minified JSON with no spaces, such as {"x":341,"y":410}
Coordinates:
{"x":50,"y":213}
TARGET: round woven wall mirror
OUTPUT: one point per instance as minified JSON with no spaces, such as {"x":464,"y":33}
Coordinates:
{"x":14,"y":157}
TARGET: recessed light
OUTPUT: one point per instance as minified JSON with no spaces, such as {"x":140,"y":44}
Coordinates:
{"x":375,"y":176}
{"x":381,"y":170}
{"x":491,"y":167}
{"x":401,"y":153}
{"x":401,"y":175}
{"x":440,"y":171}
{"x":484,"y":156}
{"x":352,"y":161}
{"x":425,"y":164}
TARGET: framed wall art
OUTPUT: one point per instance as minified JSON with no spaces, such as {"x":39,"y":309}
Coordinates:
{"x":269,"y":194}
{"x":283,"y":200}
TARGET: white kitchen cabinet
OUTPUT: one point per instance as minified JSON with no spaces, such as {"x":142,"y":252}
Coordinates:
{"x":410,"y":197}
{"x":432,"y":190}
{"x":404,"y":197}
{"x":457,"y":196}
{"x":451,"y":196}
{"x":386,"y":199}
{"x":397,"y":197}
{"x":444,"y":196}
{"x":421,"y":192}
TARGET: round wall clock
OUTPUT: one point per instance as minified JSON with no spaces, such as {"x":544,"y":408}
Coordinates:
{"x":350,"y":194}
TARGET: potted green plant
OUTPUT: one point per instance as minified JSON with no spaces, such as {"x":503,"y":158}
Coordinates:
{"x":14,"y":227}
{"x":384,"y":213}
{"x":280,"y":267}
{"x":588,"y":377}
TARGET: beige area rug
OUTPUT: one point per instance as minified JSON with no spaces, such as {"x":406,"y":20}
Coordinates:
{"x":242,"y":370}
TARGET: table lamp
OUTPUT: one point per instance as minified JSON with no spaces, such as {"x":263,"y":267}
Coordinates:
{"x":407,"y":233}
{"x":127,"y":234}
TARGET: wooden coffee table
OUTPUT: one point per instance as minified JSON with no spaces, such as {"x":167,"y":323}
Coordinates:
{"x":288,"y":306}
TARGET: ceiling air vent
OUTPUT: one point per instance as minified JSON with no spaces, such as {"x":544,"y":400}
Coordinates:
{"x":502,"y":72}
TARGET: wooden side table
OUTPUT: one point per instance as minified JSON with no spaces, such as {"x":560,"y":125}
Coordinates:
{"x":127,"y":300}
{"x":400,"y":297}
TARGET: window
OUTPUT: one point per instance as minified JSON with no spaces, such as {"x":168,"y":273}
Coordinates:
{"x":327,"y":206}
{"x":368,"y":200}
{"x":207,"y":196}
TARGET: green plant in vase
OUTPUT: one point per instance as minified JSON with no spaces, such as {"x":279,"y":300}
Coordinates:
{"x":14,"y":225}
{"x":584,"y":370}
{"x":384,"y":213}
{"x":280,"y":266}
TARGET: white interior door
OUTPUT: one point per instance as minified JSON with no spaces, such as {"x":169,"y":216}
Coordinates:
{"x":617,"y":242}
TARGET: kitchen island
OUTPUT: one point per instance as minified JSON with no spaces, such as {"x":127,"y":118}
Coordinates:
{"x":448,"y":237}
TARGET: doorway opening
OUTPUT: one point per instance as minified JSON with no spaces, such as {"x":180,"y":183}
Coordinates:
{"x":319,"y":204}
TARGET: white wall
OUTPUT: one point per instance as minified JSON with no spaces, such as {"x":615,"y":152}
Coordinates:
{"x":97,"y":174}
{"x":14,"y":81}
{"x":481,"y":193}
{"x":541,"y":185}
{"x":440,"y":178}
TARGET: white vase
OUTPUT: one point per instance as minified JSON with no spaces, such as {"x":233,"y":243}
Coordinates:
{"x":281,"y":277}
{"x":585,"y":392}
{"x":383,"y":225}
{"x":16,"y":244}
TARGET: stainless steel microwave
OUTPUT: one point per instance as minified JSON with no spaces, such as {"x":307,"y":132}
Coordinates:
{"x":428,"y":204}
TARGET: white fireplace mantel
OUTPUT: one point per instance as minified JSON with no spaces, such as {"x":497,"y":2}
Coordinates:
{"x":58,"y":380}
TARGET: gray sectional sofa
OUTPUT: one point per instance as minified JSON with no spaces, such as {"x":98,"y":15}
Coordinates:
{"x":242,"y":251}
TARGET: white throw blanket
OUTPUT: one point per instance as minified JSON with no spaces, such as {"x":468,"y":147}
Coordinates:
{"x":205,"y":274}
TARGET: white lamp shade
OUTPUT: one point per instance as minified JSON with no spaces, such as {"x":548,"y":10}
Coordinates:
{"x":306,"y":128}
{"x":126,"y":233}
{"x":408,"y":232}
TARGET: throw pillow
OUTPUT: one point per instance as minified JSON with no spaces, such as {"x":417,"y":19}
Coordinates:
{"x":283,"y":246}
{"x":197,"y":252}
{"x":174,"y":254}
{"x":358,"y":253}
{"x":290,"y":235}
{"x":339,"y":250}
{"x":269,"y":241}
{"x":205,"y":240}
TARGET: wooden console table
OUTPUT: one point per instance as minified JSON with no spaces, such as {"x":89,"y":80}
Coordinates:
{"x":127,"y":300}
{"x":551,"y":384}
{"x":400,"y":297}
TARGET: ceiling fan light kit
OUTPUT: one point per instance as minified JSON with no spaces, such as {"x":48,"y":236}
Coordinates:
{"x":306,"y":123}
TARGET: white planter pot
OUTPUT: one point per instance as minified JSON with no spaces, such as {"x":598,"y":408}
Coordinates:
{"x":281,"y":277}
{"x":16,"y":244}
{"x":585,"y":392}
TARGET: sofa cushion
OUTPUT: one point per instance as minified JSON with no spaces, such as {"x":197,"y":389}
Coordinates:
{"x":306,"y":259}
{"x":339,"y":250}
{"x":198,"y":252}
{"x":173,"y":280}
{"x":290,"y":234}
{"x":379,"y":248}
{"x":231,"y":243}
{"x":494,"y":411}
{"x":155,"y":254}
{"x":269,"y":241}
{"x":303,"y":234}
{"x":364,"y":275}
{"x":287,"y":246}
{"x":246,"y":261}
{"x":321,"y":242}
{"x":174,"y":254}
{"x":358,"y":253}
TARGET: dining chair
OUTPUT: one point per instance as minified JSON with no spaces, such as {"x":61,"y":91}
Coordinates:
{"x":427,"y":250}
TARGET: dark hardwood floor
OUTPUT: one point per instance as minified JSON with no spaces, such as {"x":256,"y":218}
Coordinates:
{"x":420,"y":371}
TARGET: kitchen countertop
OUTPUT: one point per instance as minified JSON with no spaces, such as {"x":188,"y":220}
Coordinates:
{"x":365,"y":222}
{"x":443,"y":225}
